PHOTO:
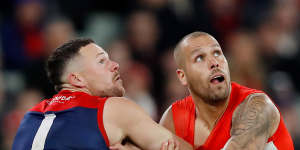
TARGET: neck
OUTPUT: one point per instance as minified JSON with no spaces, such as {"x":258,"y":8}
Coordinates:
{"x":75,"y":89}
{"x":209,"y":113}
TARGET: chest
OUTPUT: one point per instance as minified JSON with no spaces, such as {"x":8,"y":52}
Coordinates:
{"x":201,"y":133}
{"x":206,"y":138}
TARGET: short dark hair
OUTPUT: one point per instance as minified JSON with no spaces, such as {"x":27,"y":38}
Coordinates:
{"x":56,"y":62}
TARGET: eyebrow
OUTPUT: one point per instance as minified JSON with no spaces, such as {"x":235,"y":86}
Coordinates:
{"x":200,"y":48}
{"x":216,"y":45}
{"x":98,"y":54}
{"x":195,"y":51}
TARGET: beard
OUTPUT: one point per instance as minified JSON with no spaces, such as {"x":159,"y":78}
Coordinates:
{"x":210,"y":95}
{"x":118,"y":92}
{"x":112,"y":91}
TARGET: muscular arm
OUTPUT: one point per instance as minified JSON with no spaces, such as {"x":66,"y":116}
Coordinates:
{"x":253,"y":122}
{"x":123,"y":118}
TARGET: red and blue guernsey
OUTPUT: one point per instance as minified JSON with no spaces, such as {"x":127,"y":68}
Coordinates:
{"x":69,"y":120}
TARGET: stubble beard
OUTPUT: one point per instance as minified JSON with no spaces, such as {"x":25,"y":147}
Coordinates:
{"x":114,"y":91}
{"x":119,"y":92}
{"x":212,"y":96}
{"x":117,"y":89}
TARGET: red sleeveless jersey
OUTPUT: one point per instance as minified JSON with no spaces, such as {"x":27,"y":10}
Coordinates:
{"x":184,"y":122}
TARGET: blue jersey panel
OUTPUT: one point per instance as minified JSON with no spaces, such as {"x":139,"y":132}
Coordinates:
{"x":75,"y":128}
{"x":27,"y":130}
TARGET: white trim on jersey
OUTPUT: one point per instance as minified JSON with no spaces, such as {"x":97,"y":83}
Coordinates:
{"x":41,"y":134}
{"x":270,"y":146}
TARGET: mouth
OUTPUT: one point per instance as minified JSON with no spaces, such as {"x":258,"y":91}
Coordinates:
{"x":117,"y":77}
{"x":216,"y":79}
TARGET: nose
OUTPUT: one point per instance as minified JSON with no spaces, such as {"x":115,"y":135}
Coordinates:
{"x":214,"y":63}
{"x":115,"y":66}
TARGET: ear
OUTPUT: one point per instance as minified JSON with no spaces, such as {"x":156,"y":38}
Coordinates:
{"x":181,"y":76}
{"x":76,"y":80}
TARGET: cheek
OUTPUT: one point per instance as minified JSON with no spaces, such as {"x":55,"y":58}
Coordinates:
{"x":226,"y":67}
{"x":196,"y":76}
{"x":97,"y":74}
{"x":224,"y":62}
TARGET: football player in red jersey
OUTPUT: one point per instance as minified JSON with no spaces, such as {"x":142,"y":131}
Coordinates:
{"x":220,"y":114}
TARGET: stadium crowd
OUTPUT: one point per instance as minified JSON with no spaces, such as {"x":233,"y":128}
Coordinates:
{"x":260,"y":39}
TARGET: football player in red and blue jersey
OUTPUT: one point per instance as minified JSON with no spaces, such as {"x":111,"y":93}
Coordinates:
{"x":89,"y":111}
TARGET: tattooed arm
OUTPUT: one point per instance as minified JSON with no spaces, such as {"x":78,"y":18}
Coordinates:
{"x":253,"y":122}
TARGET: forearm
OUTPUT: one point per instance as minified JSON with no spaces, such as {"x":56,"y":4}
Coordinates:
{"x":183,"y":145}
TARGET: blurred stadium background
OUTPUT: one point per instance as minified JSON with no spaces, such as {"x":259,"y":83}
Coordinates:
{"x":260,"y":39}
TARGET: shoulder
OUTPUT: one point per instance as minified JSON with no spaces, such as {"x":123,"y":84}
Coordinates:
{"x":257,"y":111}
{"x":121,"y":103}
{"x":262,"y":101}
{"x":240,"y":91}
{"x":40,"y":107}
{"x":121,"y":109}
{"x":184,"y":103}
{"x":179,"y":110}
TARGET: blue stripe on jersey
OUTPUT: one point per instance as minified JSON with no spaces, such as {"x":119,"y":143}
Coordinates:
{"x":75,"y":128}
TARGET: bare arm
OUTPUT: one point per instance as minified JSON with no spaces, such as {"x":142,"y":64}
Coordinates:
{"x":123,"y":118}
{"x":253,"y":122}
{"x":168,"y":145}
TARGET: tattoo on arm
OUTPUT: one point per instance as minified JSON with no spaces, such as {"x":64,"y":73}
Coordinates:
{"x":252,"y":123}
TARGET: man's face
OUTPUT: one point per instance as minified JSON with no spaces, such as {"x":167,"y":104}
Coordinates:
{"x":101,"y":74}
{"x":205,"y":69}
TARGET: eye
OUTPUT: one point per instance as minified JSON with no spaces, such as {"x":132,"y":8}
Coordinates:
{"x":217,"y":53}
{"x":199,"y":58}
{"x":102,"y":61}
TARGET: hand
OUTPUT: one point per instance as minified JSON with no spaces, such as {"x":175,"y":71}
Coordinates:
{"x":170,"y":145}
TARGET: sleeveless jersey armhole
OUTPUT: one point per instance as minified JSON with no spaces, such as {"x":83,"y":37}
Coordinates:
{"x":100,"y":120}
{"x":184,"y":119}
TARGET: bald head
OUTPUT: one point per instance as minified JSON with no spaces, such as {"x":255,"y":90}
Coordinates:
{"x":200,"y":59}
{"x":178,"y":55}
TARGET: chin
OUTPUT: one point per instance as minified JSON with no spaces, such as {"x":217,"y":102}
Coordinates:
{"x":217,"y":96}
{"x":215,"y":99}
{"x":120,"y":92}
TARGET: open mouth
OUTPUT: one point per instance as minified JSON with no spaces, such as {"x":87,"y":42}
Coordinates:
{"x":117,"y":78}
{"x":217,"y":79}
